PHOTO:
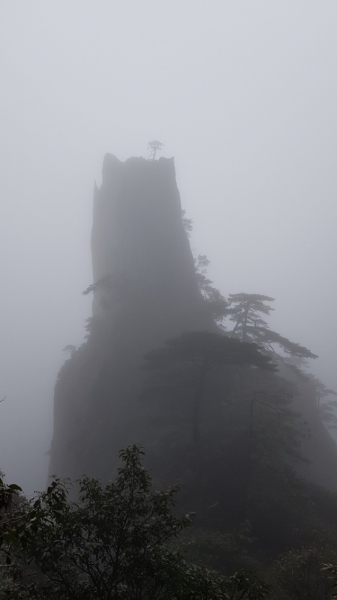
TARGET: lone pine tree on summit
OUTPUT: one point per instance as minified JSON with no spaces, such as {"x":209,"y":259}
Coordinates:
{"x":154,"y":146}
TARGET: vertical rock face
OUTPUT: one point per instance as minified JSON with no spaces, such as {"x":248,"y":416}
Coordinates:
{"x":138,"y":235}
{"x":145,"y":292}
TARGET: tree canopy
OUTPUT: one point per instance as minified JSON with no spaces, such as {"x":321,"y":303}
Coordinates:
{"x":113,"y":544}
{"x":245,"y":311}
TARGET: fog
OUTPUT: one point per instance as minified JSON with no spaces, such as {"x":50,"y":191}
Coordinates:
{"x":242,"y":94}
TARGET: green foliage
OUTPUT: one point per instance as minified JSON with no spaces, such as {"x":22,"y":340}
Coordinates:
{"x":301,"y":575}
{"x":224,"y":551}
{"x":7,"y":495}
{"x":331,"y":571}
{"x":113,"y":544}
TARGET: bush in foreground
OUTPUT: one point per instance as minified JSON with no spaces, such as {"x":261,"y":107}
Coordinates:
{"x":114,"y":543}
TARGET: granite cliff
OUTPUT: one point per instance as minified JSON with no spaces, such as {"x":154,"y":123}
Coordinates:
{"x":145,"y":292}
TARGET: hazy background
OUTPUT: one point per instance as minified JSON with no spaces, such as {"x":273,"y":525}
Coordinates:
{"x":242,"y":93}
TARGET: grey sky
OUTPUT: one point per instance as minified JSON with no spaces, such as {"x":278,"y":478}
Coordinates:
{"x":243,"y":94}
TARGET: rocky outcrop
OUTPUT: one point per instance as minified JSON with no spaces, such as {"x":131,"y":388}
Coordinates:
{"x":145,"y":292}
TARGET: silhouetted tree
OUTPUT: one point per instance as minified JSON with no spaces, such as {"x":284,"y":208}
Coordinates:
{"x":245,"y":310}
{"x":301,"y":575}
{"x":154,"y":146}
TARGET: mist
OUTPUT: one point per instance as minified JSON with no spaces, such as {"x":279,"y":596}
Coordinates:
{"x":243,"y":95}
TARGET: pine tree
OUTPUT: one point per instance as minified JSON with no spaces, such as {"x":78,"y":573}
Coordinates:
{"x":245,"y":311}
